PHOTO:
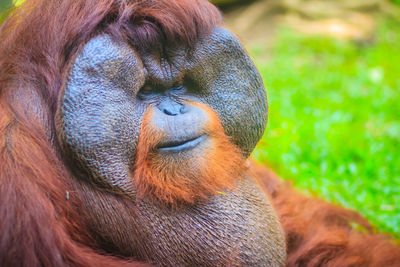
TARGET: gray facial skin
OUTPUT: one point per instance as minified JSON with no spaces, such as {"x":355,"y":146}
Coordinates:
{"x":108,"y":90}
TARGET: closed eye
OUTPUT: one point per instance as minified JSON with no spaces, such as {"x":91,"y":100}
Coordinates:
{"x":178,"y":89}
{"x":147,"y":92}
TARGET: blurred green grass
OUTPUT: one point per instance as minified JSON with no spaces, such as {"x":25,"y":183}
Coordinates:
{"x":334,"y":119}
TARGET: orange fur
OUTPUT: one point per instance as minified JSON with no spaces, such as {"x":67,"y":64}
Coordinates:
{"x":39,"y":225}
{"x":186,"y":179}
{"x":319,"y":233}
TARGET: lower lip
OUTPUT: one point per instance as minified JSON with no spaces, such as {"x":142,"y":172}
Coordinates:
{"x":185,"y":146}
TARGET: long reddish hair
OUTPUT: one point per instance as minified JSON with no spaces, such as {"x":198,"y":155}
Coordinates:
{"x":319,"y":233}
{"x":39,"y":224}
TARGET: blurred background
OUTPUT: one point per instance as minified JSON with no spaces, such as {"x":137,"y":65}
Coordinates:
{"x":332,"y":73}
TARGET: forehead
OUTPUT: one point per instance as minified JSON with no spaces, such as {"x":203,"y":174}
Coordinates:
{"x":114,"y":61}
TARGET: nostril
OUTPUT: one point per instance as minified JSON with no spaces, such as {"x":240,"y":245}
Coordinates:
{"x":169,"y":112}
{"x":183,"y":109}
{"x":171,"y":107}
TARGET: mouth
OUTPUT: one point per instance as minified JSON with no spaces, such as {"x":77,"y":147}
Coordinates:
{"x":178,"y":145}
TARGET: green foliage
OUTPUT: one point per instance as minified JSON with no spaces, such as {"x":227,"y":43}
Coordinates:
{"x":334,"y":122}
{"x":397,"y":2}
{"x":5,"y":6}
{"x":18,"y":2}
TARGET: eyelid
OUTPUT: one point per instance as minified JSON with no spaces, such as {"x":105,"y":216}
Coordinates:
{"x":178,"y":87}
{"x":146,"y":91}
{"x":149,"y":90}
{"x":146,"y":88}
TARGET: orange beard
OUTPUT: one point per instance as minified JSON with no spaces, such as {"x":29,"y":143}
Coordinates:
{"x":174,"y":179}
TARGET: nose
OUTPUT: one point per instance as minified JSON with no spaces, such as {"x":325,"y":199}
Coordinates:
{"x":170,"y":107}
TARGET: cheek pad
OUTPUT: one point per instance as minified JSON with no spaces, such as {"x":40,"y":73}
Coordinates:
{"x":231,"y":85}
{"x":100,"y":119}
